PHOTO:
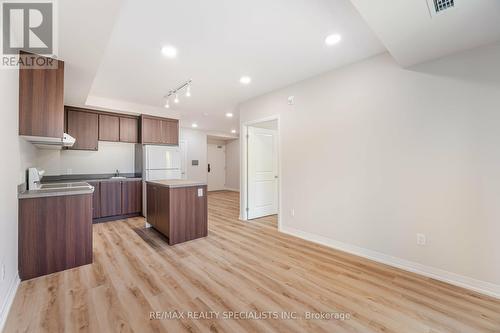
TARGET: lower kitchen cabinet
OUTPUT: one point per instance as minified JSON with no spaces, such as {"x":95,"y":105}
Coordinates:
{"x":96,"y":200}
{"x":111,"y":198}
{"x":114,"y":200}
{"x":55,"y":234}
{"x":131,"y":197}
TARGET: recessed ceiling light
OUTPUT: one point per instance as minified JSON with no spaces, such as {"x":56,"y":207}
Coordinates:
{"x":233,"y":131}
{"x":333,"y":39}
{"x":245,"y":80}
{"x":169,"y":51}
{"x":229,"y":115}
{"x":194,"y":125}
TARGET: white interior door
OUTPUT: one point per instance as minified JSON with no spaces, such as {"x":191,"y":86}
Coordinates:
{"x":262,"y":172}
{"x":216,"y":157}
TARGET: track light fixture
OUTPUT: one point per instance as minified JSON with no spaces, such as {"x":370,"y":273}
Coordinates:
{"x":175,"y":92}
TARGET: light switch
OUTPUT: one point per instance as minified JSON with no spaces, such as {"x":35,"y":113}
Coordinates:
{"x":200,"y":192}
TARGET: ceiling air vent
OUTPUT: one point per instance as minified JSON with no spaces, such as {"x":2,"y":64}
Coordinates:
{"x":439,"y":6}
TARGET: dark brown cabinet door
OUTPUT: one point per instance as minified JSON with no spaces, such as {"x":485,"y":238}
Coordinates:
{"x":84,"y":127}
{"x":96,"y":200}
{"x":41,"y":103}
{"x":170,"y":132}
{"x":151,"y":131}
{"x":109,"y":128}
{"x":160,"y":130}
{"x":131,"y":197}
{"x":129,"y":130}
{"x":111,"y":198}
{"x":55,"y":233}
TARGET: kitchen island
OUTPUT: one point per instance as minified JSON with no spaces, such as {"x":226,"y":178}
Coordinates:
{"x":177,"y":209}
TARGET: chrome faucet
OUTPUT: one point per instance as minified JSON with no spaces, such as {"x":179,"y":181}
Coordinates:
{"x":117,"y":173}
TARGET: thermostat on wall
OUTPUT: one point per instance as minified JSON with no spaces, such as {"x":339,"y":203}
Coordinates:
{"x":195,"y":162}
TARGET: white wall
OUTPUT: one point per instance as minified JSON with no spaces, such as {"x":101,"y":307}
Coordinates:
{"x":18,"y":156}
{"x":373,"y":154}
{"x":196,"y":150}
{"x":110,"y":157}
{"x":233,"y":165}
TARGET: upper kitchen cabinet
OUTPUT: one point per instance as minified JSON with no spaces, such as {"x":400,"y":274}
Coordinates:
{"x":41,"y":101}
{"x":84,"y":127}
{"x":109,"y":128}
{"x":150,"y":130}
{"x":170,"y":131}
{"x":129,"y":130}
{"x":161,"y":131}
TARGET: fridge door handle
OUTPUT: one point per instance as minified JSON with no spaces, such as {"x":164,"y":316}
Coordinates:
{"x":208,"y":167}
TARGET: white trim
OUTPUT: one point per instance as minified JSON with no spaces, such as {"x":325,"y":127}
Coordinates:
{"x":243,"y":165}
{"x":479,"y":286}
{"x":231,"y":189}
{"x":9,"y":299}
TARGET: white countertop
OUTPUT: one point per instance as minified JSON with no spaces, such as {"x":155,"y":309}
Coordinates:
{"x":57,"y":190}
{"x":174,"y":183}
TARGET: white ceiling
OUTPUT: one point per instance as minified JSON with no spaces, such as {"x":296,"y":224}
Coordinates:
{"x":82,"y":42}
{"x":113,"y":58}
{"x":275,"y":42}
{"x":413,"y":36}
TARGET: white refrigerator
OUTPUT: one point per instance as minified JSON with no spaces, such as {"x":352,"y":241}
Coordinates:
{"x":159,"y":163}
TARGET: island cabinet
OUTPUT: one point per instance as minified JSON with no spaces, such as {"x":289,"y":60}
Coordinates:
{"x":177,"y":209}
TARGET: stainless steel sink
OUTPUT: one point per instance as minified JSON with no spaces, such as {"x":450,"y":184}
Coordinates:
{"x":118,"y":177}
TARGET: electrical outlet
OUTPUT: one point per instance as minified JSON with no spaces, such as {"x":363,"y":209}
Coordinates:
{"x":69,"y":171}
{"x":421,"y":240}
{"x":292,"y":212}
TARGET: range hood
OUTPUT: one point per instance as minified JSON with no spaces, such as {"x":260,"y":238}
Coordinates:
{"x":51,"y":143}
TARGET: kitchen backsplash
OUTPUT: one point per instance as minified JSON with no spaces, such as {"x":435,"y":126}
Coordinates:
{"x":110,"y":157}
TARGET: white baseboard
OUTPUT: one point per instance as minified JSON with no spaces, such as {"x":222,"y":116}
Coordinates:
{"x":9,"y":299}
{"x":231,"y":189}
{"x":479,"y":286}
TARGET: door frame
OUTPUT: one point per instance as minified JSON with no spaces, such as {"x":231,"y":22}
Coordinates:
{"x":244,"y":166}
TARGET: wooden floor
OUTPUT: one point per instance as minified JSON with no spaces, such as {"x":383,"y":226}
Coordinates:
{"x":242,"y":269}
